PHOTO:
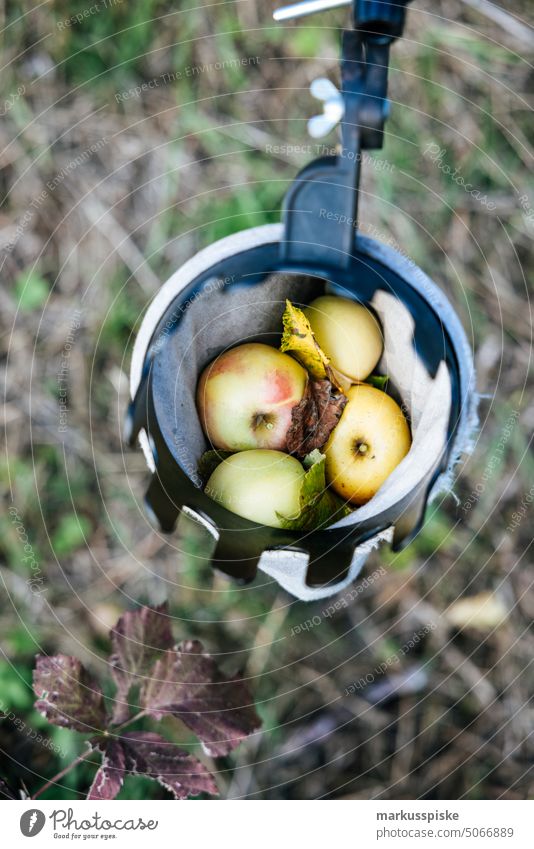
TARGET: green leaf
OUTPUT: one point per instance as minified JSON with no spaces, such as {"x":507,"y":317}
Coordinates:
{"x":70,"y":534}
{"x":209,"y":462}
{"x":314,"y":458}
{"x":379,"y":381}
{"x":307,"y":42}
{"x":15,"y":688}
{"x":32,"y":290}
{"x":319,"y":506}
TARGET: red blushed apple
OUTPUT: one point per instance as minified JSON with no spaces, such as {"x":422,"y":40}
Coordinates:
{"x":245,"y":397}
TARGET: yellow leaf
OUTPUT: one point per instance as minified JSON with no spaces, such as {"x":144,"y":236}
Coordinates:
{"x":298,"y":339}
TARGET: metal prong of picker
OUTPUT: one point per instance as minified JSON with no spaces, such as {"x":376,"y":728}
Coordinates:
{"x":379,"y":17}
{"x":308,"y":7}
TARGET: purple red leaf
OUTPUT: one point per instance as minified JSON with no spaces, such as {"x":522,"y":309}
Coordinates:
{"x":110,"y":776}
{"x":148,"y":754}
{"x":188,"y":684}
{"x":183,"y":682}
{"x":67,"y":695}
{"x":138,"y":640}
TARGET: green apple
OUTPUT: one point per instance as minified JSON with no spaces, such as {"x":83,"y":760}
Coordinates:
{"x":245,"y":397}
{"x":348,"y":333}
{"x":257,"y":485}
{"x":369,"y":441}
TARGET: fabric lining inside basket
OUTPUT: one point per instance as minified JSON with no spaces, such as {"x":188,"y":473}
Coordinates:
{"x":224,"y":315}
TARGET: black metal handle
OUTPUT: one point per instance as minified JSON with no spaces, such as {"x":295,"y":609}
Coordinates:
{"x":380,"y":18}
{"x":320,"y":211}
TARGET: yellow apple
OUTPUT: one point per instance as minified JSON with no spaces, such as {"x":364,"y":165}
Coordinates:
{"x":348,"y":333}
{"x":257,"y":485}
{"x":368,"y":443}
{"x":246,"y":396}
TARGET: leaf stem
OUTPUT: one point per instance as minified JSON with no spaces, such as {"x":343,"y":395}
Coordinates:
{"x":62,"y":773}
{"x":130,"y":721}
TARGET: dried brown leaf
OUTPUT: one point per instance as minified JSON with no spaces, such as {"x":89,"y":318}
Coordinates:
{"x":315,"y":417}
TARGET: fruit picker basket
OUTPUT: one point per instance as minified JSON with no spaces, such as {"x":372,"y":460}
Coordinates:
{"x":235,"y":292}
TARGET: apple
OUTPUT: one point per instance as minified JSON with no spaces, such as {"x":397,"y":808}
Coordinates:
{"x":257,"y":485}
{"x":369,"y":441}
{"x":245,"y":397}
{"x":348,"y":333}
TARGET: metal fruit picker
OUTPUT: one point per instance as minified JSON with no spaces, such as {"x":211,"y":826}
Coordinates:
{"x":235,"y":290}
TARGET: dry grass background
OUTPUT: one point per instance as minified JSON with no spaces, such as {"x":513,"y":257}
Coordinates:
{"x":102,"y":197}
